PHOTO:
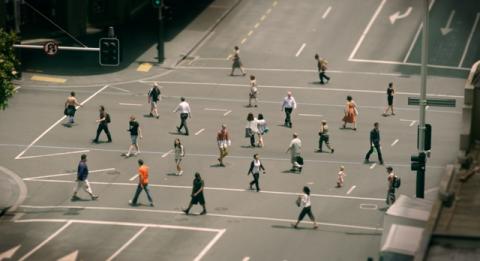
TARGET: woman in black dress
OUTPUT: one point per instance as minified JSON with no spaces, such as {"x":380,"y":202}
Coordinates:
{"x":236,"y":61}
{"x":197,"y":194}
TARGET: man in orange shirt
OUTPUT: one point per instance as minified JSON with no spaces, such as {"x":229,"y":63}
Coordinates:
{"x":142,"y":184}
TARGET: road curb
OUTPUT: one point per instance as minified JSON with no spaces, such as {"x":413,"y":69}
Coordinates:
{"x":14,"y":196}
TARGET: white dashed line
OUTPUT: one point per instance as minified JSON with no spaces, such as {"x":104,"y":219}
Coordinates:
{"x":134,"y":177}
{"x":214,"y":109}
{"x":166,"y":153}
{"x":369,"y":206}
{"x":226,"y":113}
{"x":412,"y":123}
{"x":310,"y":115}
{"x":243,"y":40}
{"x":326,"y":12}
{"x":351,"y":189}
{"x":247,"y":258}
{"x":269,"y":10}
{"x":250,"y":33}
{"x":198,"y":132}
{"x":300,"y":50}
{"x":373,"y":165}
{"x":130,"y":104}
{"x":256,"y":25}
{"x":394,"y":142}
{"x":263,"y":17}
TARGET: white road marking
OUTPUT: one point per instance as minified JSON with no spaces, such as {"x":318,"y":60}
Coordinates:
{"x":9,"y":253}
{"x":226,"y":113}
{"x":54,"y":154}
{"x":166,"y":153}
{"x":394,"y":17}
{"x":362,"y":37}
{"x":194,"y":60}
{"x":300,"y":49}
{"x":369,"y":206}
{"x":132,"y":178}
{"x":410,"y":64}
{"x":256,"y":25}
{"x":416,"y":35}
{"x":174,"y":212}
{"x":447,"y":29}
{"x":326,"y":12}
{"x":70,"y":257}
{"x":56,"y":123}
{"x":215,"y":109}
{"x":412,"y":123}
{"x":45,"y":241}
{"x":210,"y":245}
{"x":243,"y":40}
{"x":126,"y":244}
{"x":250,"y":33}
{"x":247,"y":258}
{"x":269,"y":10}
{"x":469,"y":40}
{"x":263,"y":17}
{"x":130,"y":104}
{"x":198,"y":132}
{"x":274,"y":3}
{"x":310,"y":115}
{"x":427,"y":107}
{"x":120,"y":89}
{"x":394,"y":142}
{"x":351,"y":189}
{"x":371,"y":166}
{"x":67,"y":174}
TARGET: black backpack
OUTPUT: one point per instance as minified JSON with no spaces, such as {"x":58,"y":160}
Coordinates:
{"x":107,"y":118}
{"x":154,"y":93}
{"x":396,"y":182}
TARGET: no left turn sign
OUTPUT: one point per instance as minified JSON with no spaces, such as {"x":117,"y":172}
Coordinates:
{"x":50,"y":48}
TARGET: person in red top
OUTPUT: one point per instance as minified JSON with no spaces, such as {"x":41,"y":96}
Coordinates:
{"x":142,"y":184}
{"x":223,"y":141}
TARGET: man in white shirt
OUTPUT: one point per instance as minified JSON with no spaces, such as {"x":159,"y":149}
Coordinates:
{"x":184,"y":108}
{"x":288,"y":106}
{"x":295,"y":149}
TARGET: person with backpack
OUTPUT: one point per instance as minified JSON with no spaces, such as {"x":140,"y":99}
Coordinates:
{"x":153,"y":98}
{"x":103,"y":121}
{"x":255,"y":167}
{"x":135,"y":131}
{"x":393,"y":184}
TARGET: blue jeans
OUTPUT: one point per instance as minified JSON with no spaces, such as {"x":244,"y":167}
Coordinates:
{"x":137,"y":193}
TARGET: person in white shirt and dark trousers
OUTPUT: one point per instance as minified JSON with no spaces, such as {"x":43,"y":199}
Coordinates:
{"x":288,"y":106}
{"x":184,"y":108}
{"x":255,"y":168}
{"x":305,"y":203}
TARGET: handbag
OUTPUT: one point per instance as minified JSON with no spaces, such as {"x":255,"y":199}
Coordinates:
{"x":356,"y":110}
{"x":248,"y":132}
{"x":298,"y":201}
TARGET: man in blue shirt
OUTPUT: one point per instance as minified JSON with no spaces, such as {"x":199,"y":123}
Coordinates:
{"x":82,"y":182}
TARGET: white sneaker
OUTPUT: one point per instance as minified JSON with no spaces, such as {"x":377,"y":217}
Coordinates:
{"x":136,"y":153}
{"x":180,"y":173}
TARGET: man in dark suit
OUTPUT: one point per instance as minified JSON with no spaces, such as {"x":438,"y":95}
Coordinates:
{"x":374,"y":144}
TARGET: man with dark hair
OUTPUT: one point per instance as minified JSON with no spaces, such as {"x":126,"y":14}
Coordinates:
{"x":374,"y":144}
{"x":71,"y":107}
{"x":184,"y":108}
{"x":103,"y":121}
{"x":153,"y":98}
{"x":142,"y":184}
{"x":82,"y":181}
{"x":197,"y":194}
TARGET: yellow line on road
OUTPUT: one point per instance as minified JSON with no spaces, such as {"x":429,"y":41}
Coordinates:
{"x":48,"y":79}
{"x":144,"y":67}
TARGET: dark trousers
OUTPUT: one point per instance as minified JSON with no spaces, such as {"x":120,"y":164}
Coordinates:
{"x":252,"y":140}
{"x":256,"y":176}
{"x":306,"y":211}
{"x":139,"y":190}
{"x":323,"y":138}
{"x":288,"y":120}
{"x":390,"y":196}
{"x":103,"y":127}
{"x":379,"y":152}
{"x":322,"y":76}
{"x":183,"y":122}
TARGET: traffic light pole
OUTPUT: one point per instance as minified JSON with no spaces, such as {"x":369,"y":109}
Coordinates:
{"x":160,"y":44}
{"x":423,"y":101}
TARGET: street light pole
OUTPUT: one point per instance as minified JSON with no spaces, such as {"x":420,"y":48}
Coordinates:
{"x":423,"y":100}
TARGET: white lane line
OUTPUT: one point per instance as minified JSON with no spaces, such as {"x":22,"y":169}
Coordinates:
{"x":362,"y":37}
{"x":53,"y":154}
{"x":45,"y":241}
{"x":351,"y":189}
{"x":369,"y":206}
{"x":209,"y":188}
{"x":243,"y":40}
{"x":198,"y":132}
{"x":126,"y":244}
{"x":263,"y":17}
{"x":174,"y":212}
{"x":226,"y":113}
{"x":250,"y":33}
{"x":56,"y":123}
{"x":300,"y":49}
{"x":247,"y":258}
{"x":194,"y":60}
{"x":310,"y":115}
{"x":120,"y":89}
{"x":256,"y":25}
{"x":326,"y":12}
{"x":371,"y":166}
{"x":409,"y":64}
{"x":394,"y":142}
{"x":215,"y":109}
{"x":166,"y":153}
{"x":66,"y":174}
{"x":130,"y":104}
{"x":469,"y":40}
{"x":133,"y":177}
{"x":210,"y":245}
{"x":274,"y":3}
{"x":416,"y":35}
{"x":427,"y":107}
{"x":269,"y":10}
{"x":69,"y":257}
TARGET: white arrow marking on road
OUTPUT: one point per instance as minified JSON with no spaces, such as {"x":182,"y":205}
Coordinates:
{"x":394,"y":142}
{"x":394,"y":17}
{"x":447,"y":29}
{"x":9,"y":253}
{"x":70,"y":257}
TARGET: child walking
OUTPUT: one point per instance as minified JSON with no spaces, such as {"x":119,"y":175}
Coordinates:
{"x":341,"y":177}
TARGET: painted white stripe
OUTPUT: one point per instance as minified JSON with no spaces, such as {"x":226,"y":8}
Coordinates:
{"x":412,"y":123}
{"x":120,"y":89}
{"x":126,"y":244}
{"x":215,"y":109}
{"x":198,"y":132}
{"x":56,"y":123}
{"x":250,"y":33}
{"x":369,"y":206}
{"x":416,"y":35}
{"x":469,"y":40}
{"x":194,"y":60}
{"x":174,"y":212}
{"x":362,"y":37}
{"x":300,"y":49}
{"x":274,"y":3}
{"x":166,"y":153}
{"x":410,"y":64}
{"x":243,"y":40}
{"x":269,"y":10}
{"x":256,"y":25}
{"x":45,"y":241}
{"x":53,"y":154}
{"x":210,"y":245}
{"x":406,"y":120}
{"x":351,"y":189}
{"x":130,"y":104}
{"x":310,"y":115}
{"x":371,"y":166}
{"x":263,"y":17}
{"x":247,"y":258}
{"x":427,"y":107}
{"x":66,"y":174}
{"x":326,"y":12}
{"x":226,"y":113}
{"x":394,"y":142}
{"x":132,"y":178}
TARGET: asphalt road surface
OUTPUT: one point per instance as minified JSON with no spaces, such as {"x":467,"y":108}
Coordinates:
{"x":367,"y":47}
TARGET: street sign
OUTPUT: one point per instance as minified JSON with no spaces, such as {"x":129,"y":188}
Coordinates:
{"x":50,"y":48}
{"x":433,"y":102}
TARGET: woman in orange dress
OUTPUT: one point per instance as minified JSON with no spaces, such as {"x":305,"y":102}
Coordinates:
{"x":351,"y":113}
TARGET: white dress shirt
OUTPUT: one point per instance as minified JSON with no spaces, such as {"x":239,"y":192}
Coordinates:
{"x":289,"y":102}
{"x":183,"y":107}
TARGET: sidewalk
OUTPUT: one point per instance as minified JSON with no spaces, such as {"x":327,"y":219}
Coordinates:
{"x":12,"y":190}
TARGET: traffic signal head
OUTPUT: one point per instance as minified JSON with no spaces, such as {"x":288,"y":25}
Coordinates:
{"x":109,"y":51}
{"x":418,"y":161}
{"x":157,"y":3}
